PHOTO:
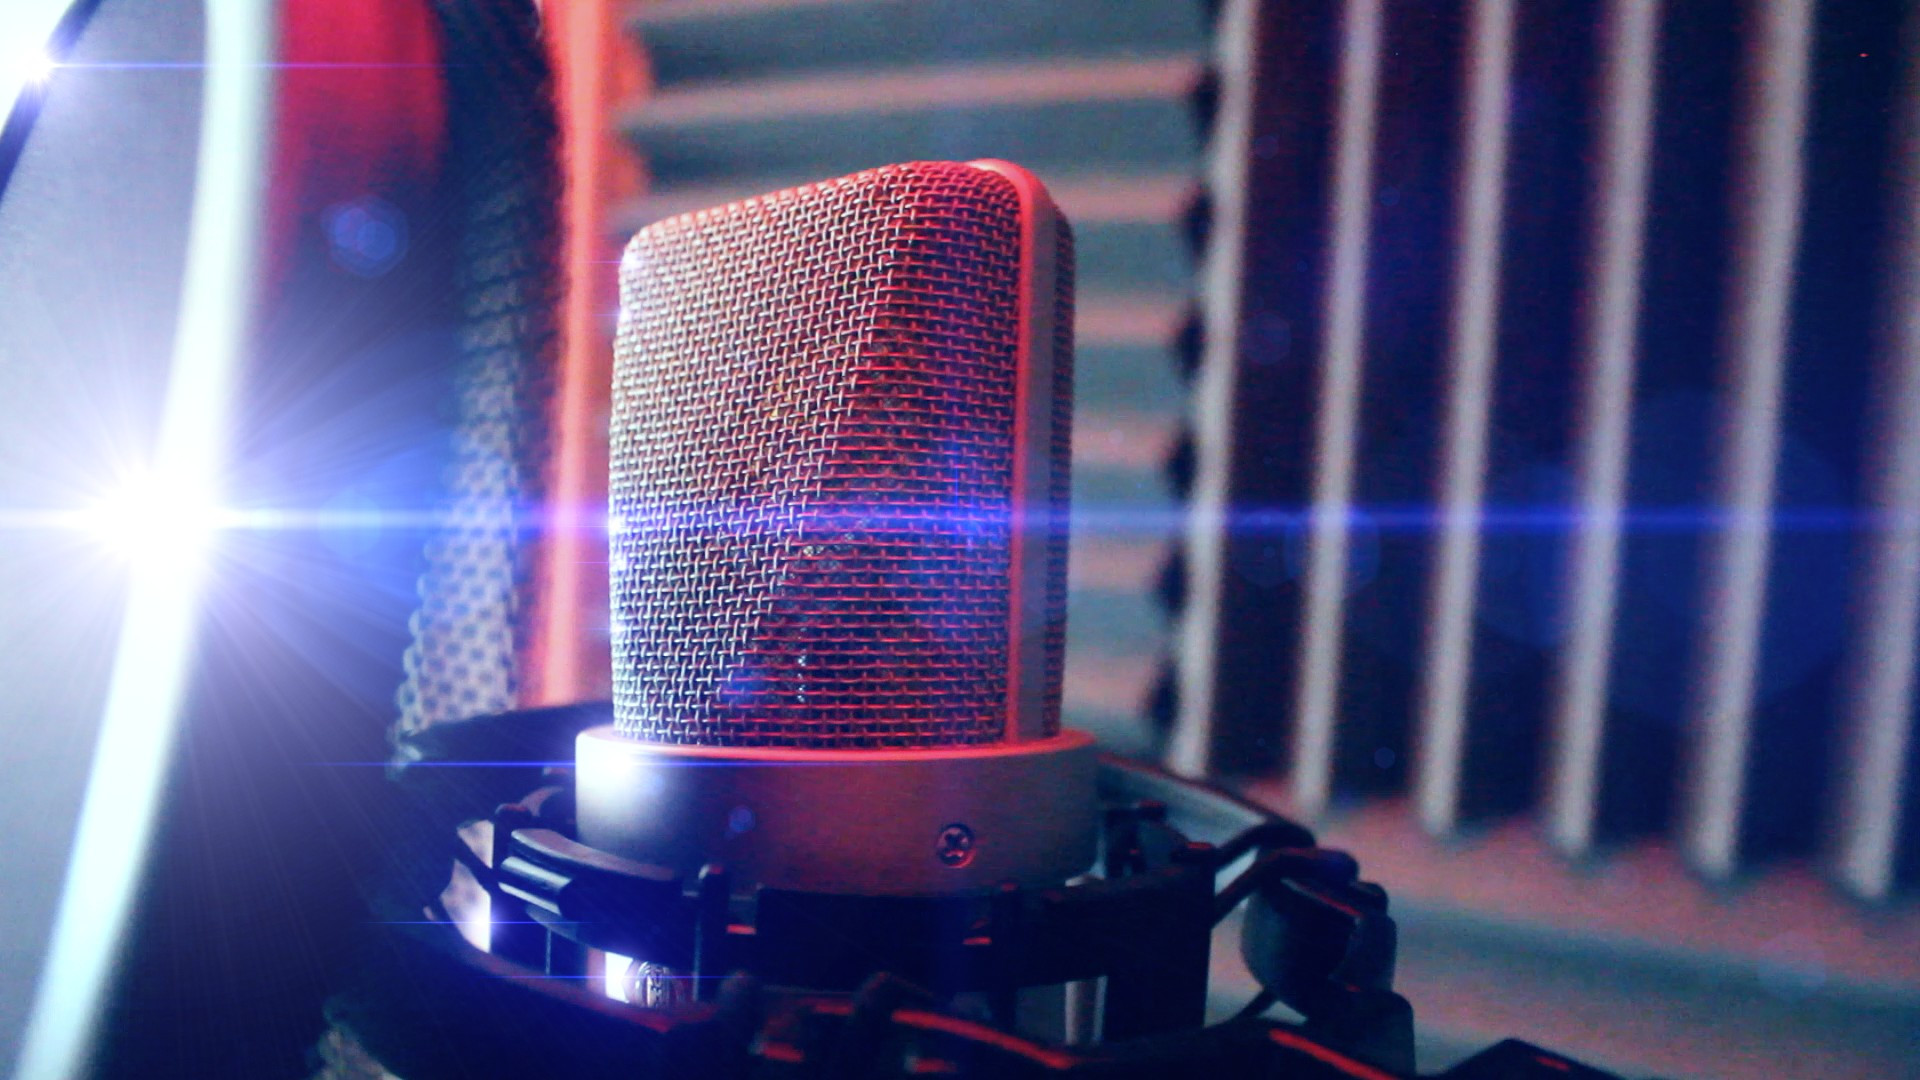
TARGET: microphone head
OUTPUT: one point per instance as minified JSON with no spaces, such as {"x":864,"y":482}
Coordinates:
{"x":840,"y":463}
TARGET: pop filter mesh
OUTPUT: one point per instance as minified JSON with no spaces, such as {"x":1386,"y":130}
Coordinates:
{"x":813,"y":467}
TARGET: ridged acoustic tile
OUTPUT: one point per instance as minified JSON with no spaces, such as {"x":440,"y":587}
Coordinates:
{"x":1053,"y":118}
{"x":690,"y":41}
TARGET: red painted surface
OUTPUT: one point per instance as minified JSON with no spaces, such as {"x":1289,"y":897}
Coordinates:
{"x":595,"y":66}
{"x":360,"y":109}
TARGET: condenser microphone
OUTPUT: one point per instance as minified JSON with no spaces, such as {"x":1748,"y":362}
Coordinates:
{"x":839,"y":482}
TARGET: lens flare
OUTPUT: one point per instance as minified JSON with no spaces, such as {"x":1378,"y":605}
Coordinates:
{"x":154,"y":521}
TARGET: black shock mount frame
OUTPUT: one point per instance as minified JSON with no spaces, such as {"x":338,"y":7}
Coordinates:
{"x":788,"y":984}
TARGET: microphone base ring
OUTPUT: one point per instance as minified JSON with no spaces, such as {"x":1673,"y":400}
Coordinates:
{"x":922,"y":822}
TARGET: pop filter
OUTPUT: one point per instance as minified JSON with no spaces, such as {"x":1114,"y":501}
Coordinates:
{"x":126,"y":235}
{"x":165,"y":181}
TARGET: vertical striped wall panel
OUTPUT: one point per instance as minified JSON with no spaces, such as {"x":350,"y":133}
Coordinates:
{"x":1554,"y":446}
{"x":1554,"y":533}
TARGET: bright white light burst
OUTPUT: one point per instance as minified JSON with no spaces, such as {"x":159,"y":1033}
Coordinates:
{"x":154,"y":522}
{"x":36,"y":68}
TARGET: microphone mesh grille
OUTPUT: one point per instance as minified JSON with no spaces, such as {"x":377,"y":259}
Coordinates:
{"x":813,"y":467}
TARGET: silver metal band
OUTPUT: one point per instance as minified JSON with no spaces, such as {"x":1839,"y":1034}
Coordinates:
{"x":873,"y":822}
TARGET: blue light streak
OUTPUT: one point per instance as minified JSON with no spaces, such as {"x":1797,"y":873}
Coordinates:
{"x":1119,"y":520}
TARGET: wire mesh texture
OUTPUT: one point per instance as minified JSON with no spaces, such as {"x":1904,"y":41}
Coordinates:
{"x":503,"y":138}
{"x":814,"y":464}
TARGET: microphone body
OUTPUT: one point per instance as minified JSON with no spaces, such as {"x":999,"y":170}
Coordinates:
{"x":839,"y":489}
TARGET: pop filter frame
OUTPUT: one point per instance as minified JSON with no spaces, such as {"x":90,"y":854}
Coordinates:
{"x":811,"y":984}
{"x":24,"y":110}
